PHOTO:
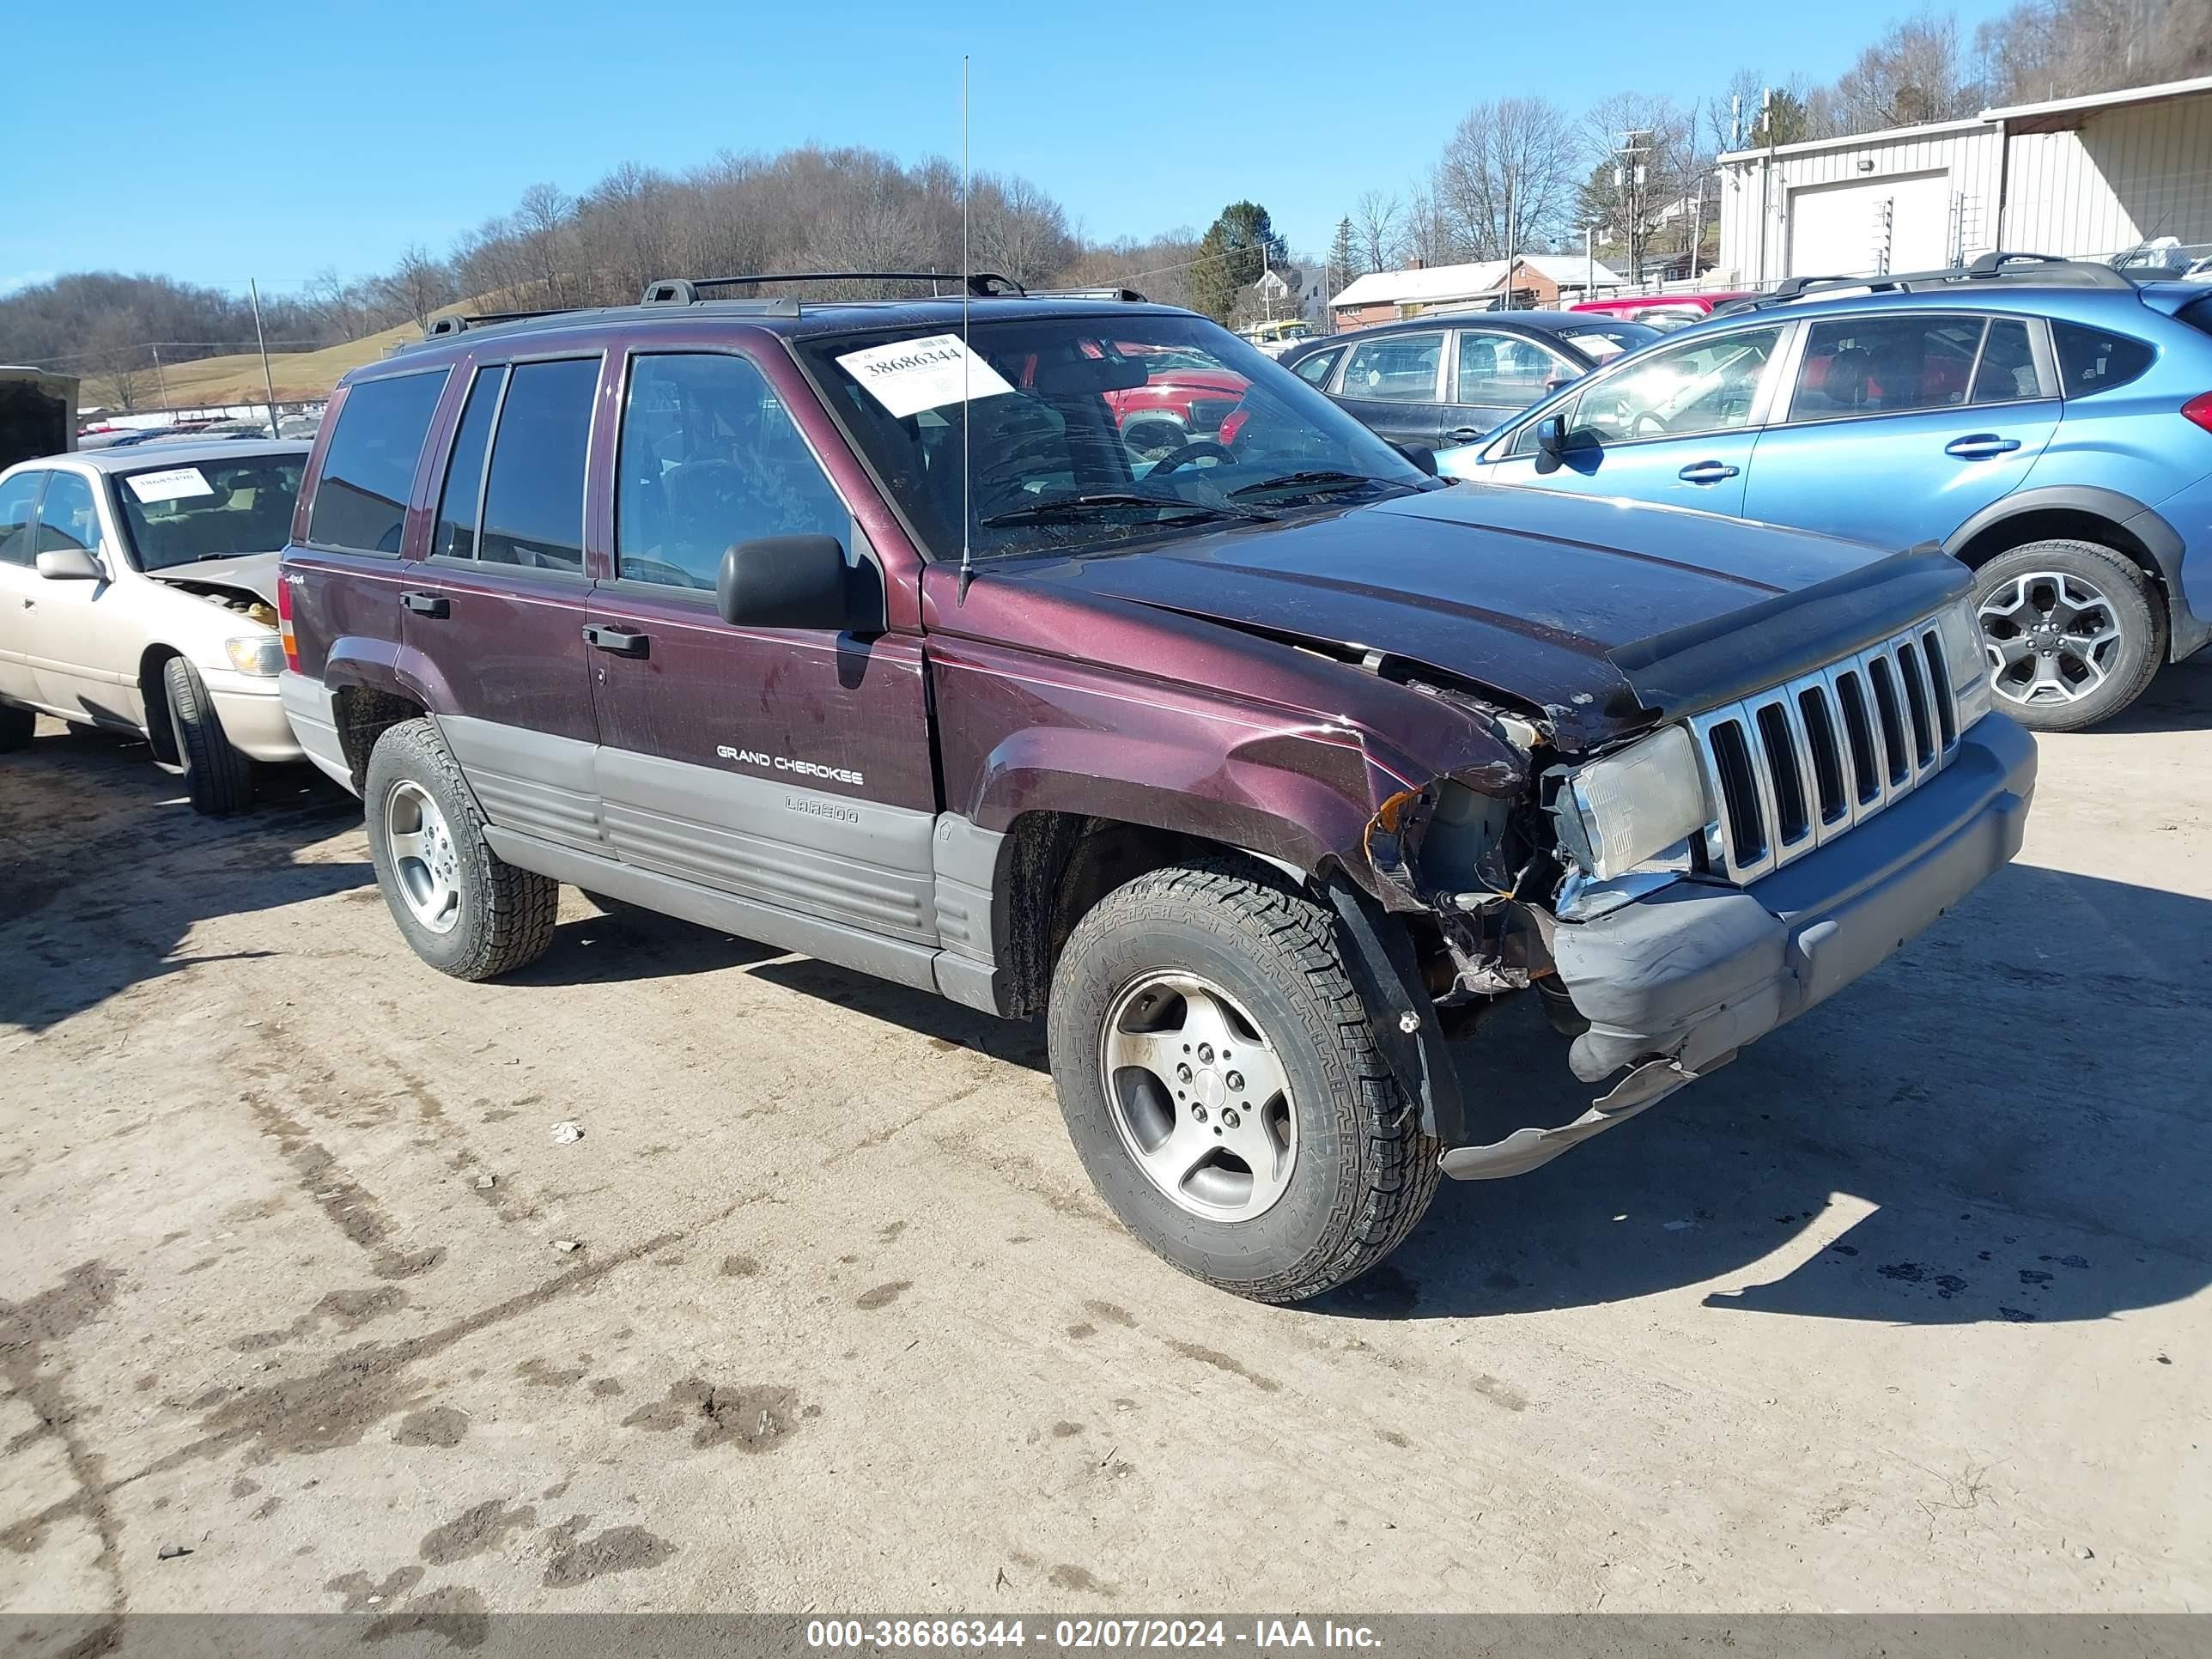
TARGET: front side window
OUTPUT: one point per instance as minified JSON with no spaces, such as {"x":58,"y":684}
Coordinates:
{"x":369,"y":470}
{"x":1314,"y":370}
{"x":1878,"y":365}
{"x":1088,"y":429}
{"x":455,"y":537}
{"x":1397,"y":368}
{"x":174,"y":515}
{"x":69,"y":518}
{"x":2093,"y":360}
{"x":1506,"y":369}
{"x":533,"y":511}
{"x":1700,"y":385}
{"x":19,"y":497}
{"x":710,"y":457}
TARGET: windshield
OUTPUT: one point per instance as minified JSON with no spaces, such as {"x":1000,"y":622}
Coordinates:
{"x":1091,"y":429}
{"x":1603,"y":342}
{"x":176,"y":515}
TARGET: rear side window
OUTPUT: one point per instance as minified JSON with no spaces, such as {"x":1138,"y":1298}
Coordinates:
{"x":1399,"y":368}
{"x":17,"y":497}
{"x":1873,"y":364}
{"x":2007,"y":374}
{"x":1314,"y":370}
{"x":360,"y":502}
{"x":2092,"y":359}
{"x":456,"y":535}
{"x":533,"y":513}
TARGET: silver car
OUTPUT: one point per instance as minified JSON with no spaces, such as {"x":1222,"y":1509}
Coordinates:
{"x":138,"y":593}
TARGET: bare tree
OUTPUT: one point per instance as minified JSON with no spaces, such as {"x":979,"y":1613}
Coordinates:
{"x":1643,"y":174}
{"x":541,"y":225}
{"x":116,"y":351}
{"x":1019,"y":230}
{"x":1375,"y":218}
{"x":1426,"y":233}
{"x":1915,"y":72}
{"x":417,"y":285}
{"x":1506,"y":180}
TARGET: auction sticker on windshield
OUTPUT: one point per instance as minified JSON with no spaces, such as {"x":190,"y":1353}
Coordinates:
{"x":171,"y":484}
{"x":909,"y":376}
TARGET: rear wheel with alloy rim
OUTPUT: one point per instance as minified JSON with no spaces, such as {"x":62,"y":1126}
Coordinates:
{"x":1222,"y":1085}
{"x":2074,"y":632}
{"x":467,"y":911}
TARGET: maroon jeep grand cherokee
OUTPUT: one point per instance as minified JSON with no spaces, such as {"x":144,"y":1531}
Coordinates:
{"x":1259,"y":771}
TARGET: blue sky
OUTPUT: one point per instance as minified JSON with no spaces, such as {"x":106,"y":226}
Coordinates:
{"x":215,"y":144}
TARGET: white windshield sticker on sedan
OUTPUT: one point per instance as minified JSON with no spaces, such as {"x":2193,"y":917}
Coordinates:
{"x":171,"y":484}
{"x":909,"y":376}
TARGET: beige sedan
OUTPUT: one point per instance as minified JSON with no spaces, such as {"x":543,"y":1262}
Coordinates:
{"x":138,"y":593}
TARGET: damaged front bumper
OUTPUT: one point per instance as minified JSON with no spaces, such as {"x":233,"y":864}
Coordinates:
{"x":1676,"y":981}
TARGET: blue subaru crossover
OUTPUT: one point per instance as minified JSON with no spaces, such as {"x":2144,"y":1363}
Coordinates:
{"x":2048,"y":423}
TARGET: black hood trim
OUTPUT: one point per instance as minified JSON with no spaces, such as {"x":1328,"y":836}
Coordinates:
{"x":1688,"y":670}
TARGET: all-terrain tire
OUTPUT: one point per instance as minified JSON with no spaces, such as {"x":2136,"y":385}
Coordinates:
{"x":504,"y":919}
{"x":2136,"y":607}
{"x":16,"y":725}
{"x":218,"y":779}
{"x":1364,"y":1173}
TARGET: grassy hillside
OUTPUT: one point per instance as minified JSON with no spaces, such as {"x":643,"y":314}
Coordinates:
{"x":236,"y":379}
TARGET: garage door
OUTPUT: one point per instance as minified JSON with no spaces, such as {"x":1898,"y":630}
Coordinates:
{"x":1858,"y":228}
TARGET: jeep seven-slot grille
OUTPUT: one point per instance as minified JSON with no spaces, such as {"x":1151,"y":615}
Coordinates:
{"x":1801,"y":764}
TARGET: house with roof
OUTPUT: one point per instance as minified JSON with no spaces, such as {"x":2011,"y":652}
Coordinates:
{"x":1537,"y":280}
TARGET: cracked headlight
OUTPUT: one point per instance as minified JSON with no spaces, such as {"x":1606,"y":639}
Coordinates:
{"x":1966,"y":660}
{"x":257,"y":653}
{"x":1615,"y":814}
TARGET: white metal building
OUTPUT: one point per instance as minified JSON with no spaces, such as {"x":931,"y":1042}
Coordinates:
{"x":2091,"y":176}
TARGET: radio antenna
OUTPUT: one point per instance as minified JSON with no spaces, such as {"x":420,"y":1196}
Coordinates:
{"x":967,"y":505}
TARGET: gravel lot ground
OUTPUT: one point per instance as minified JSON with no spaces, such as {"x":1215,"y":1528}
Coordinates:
{"x":1905,"y":1310}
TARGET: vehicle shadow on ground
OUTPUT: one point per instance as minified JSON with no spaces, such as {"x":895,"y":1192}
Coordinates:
{"x":625,"y":944}
{"x":105,"y":868}
{"x":2005,"y":1122}
{"x":2179,"y":699}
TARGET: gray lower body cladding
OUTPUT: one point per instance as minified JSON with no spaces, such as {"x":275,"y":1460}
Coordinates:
{"x":1694,"y":971}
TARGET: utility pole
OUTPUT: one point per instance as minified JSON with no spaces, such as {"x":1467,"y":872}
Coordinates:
{"x":1512,"y":189}
{"x":261,"y":340}
{"x":1630,"y":176}
{"x":1765,"y":176}
{"x":160,"y":379}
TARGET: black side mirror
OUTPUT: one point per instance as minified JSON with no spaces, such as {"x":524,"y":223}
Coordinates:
{"x":1551,"y":443}
{"x":784,"y":582}
{"x":1420,"y":455}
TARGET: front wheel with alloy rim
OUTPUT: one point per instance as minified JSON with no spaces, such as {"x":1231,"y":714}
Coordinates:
{"x":467,"y":911}
{"x":2074,"y":632}
{"x":1222,"y":1084}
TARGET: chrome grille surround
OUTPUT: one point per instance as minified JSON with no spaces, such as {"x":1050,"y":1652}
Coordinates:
{"x":1749,"y":832}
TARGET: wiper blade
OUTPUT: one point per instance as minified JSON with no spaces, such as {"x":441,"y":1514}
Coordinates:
{"x":1319,"y":479}
{"x":1083,"y":506}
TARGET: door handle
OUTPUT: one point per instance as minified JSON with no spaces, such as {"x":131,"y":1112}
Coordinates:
{"x":617,"y":641}
{"x":428,"y":604}
{"x":1704,"y":472}
{"x":1980,"y":447}
{"x":1464,"y":435}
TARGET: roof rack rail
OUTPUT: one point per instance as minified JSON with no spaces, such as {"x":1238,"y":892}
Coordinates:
{"x":1126,"y":295}
{"x":2053,"y":268}
{"x":979,"y":284}
{"x":455,"y":323}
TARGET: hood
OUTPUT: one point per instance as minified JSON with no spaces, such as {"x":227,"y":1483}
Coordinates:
{"x":249,"y":573}
{"x":1524,"y":592}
